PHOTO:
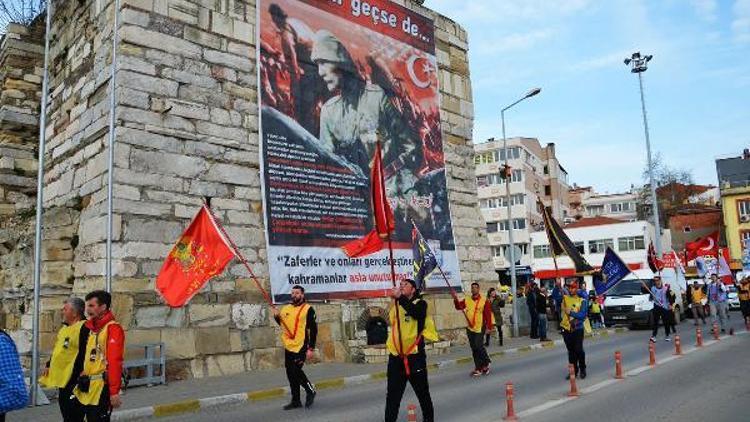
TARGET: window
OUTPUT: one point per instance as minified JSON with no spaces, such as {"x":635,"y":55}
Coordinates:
{"x":744,"y":236}
{"x":482,"y":181}
{"x":621,"y":207}
{"x":516,"y":176}
{"x":485,"y":158}
{"x":547,"y":190}
{"x":580,"y":247}
{"x":515,"y":199}
{"x":743,"y":210}
{"x":546,"y":169}
{"x":492,"y":227}
{"x":523,"y":246}
{"x":515,"y":153}
{"x":600,"y":245}
{"x":542,"y":251}
{"x":518,"y":224}
{"x":497,"y":250}
{"x":687,"y":229}
{"x":594,"y":210}
{"x":630,"y":243}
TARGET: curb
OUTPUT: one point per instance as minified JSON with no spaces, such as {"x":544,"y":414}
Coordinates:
{"x":195,"y":405}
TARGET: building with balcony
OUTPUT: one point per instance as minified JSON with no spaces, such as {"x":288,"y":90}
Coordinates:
{"x":535,"y":174}
{"x":734,"y":187}
{"x":586,"y":203}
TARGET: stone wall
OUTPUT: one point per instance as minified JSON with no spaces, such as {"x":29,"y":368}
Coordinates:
{"x":187,"y":128}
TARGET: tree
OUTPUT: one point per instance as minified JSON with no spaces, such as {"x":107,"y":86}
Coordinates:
{"x":20,"y":11}
{"x":674,"y":186}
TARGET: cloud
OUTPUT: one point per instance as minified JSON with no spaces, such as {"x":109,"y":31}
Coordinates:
{"x":741,"y":21}
{"x":705,"y":9}
{"x":600,"y":62}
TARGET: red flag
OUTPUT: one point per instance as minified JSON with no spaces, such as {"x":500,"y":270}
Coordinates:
{"x":708,"y":245}
{"x":654,"y":263}
{"x":201,"y":253}
{"x":382,"y":214}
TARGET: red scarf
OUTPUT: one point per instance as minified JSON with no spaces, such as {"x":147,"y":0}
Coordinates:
{"x":96,"y":324}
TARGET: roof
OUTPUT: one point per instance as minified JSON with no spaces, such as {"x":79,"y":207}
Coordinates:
{"x":681,"y":187}
{"x":593,"y":221}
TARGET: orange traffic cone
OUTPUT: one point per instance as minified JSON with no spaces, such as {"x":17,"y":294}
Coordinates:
{"x":618,"y":365}
{"x":651,"y":354}
{"x":698,"y":337}
{"x":573,"y":387}
{"x":715,"y":329}
{"x":677,"y":346}
{"x":510,"y":413}
{"x":411,"y":412}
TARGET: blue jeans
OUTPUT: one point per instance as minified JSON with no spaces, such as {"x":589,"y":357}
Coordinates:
{"x":542,"y":325}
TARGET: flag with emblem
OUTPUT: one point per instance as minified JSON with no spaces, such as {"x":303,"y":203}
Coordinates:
{"x":382,"y":214}
{"x":654,"y":263}
{"x":560,"y":243}
{"x":201,"y":253}
{"x":425,"y":261}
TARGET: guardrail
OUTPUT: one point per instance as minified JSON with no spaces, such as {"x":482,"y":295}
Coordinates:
{"x":154,"y":357}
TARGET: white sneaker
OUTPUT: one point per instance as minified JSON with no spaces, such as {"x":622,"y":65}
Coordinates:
{"x":667,"y":338}
{"x":652,"y":340}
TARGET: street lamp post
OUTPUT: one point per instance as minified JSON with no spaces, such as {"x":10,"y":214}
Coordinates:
{"x":511,"y":246}
{"x":639,"y":64}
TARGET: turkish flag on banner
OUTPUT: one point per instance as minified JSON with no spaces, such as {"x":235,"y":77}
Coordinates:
{"x":654,"y":263}
{"x":201,"y":253}
{"x":382,"y":214}
{"x":708,"y":245}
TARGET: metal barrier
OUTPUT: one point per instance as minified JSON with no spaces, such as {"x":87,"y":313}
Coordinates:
{"x":151,"y":360}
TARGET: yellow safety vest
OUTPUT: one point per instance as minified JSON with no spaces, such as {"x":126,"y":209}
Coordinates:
{"x":294,"y":326}
{"x":94,"y":365}
{"x":64,"y":355}
{"x":474,"y":313}
{"x":409,"y":331}
{"x":697,"y":294}
{"x":574,"y":304}
{"x":744,"y":293}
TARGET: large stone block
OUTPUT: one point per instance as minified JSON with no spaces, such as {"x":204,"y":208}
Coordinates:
{"x":240,"y":63}
{"x":159,"y":316}
{"x":225,"y":364}
{"x":209,"y":315}
{"x":246,"y":315}
{"x":261,"y":337}
{"x":159,"y":41}
{"x":233,"y":174}
{"x":122,"y":307}
{"x":149,"y":230}
{"x":265,"y":358}
{"x":179,"y":343}
{"x":147,"y":83}
{"x":213,"y":340}
{"x":166,"y":163}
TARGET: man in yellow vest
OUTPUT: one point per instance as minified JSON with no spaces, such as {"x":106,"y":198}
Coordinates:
{"x":407,"y":361}
{"x":478,"y":313}
{"x":299,"y":331}
{"x":98,"y":389}
{"x":574,"y":315}
{"x":698,"y":300}
{"x":66,"y":362}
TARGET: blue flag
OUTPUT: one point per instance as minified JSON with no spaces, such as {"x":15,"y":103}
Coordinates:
{"x":614,"y":270}
{"x":425,"y":261}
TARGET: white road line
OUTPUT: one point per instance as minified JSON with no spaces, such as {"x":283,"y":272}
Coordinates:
{"x":598,"y":386}
{"x":542,"y":407}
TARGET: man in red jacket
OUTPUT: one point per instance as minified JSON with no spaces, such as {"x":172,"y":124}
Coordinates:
{"x":478,"y":313}
{"x":98,"y":389}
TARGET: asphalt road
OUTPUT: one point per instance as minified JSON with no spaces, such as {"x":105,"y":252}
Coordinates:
{"x":539,"y":379}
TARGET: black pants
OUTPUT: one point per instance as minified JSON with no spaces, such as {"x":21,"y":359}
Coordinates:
{"x":574,"y":344}
{"x":478,"y":352}
{"x":534,"y":324}
{"x":98,"y":412}
{"x":294,"y":373}
{"x":397,"y":384}
{"x":2,"y":417}
{"x":660,"y":313}
{"x":499,"y":336}
{"x":69,"y":407}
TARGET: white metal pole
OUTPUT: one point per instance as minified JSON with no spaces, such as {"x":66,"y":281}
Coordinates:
{"x":513,"y":283}
{"x":111,"y":145}
{"x":655,"y":202}
{"x":39,"y":208}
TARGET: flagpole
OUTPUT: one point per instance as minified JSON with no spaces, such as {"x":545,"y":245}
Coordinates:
{"x":242,"y":259}
{"x":34,"y":381}
{"x":384,"y":197}
{"x":437,"y":264}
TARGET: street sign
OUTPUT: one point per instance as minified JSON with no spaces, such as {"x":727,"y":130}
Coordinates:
{"x":517,"y":252}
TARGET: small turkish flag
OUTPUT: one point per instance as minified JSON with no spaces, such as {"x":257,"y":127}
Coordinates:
{"x":201,"y":253}
{"x":708,"y":245}
{"x":382,"y":213}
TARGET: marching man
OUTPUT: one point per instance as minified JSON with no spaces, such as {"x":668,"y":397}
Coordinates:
{"x":407,"y":361}
{"x":478,"y":313}
{"x":299,"y":330}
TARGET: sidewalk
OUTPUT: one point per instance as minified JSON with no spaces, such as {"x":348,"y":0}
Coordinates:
{"x":191,"y":395}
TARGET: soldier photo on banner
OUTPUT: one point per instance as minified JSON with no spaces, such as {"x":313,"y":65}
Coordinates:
{"x":335,"y":80}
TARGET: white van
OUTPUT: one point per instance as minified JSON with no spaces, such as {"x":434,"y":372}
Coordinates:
{"x":627,"y":304}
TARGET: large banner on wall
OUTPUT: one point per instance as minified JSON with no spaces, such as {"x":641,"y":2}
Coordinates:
{"x":336,"y":77}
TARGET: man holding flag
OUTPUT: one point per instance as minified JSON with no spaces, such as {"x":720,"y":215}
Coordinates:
{"x":299,"y":331}
{"x":410,"y":325}
{"x":661,"y":310}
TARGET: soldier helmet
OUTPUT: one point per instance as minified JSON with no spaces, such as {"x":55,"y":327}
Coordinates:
{"x":326,"y":47}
